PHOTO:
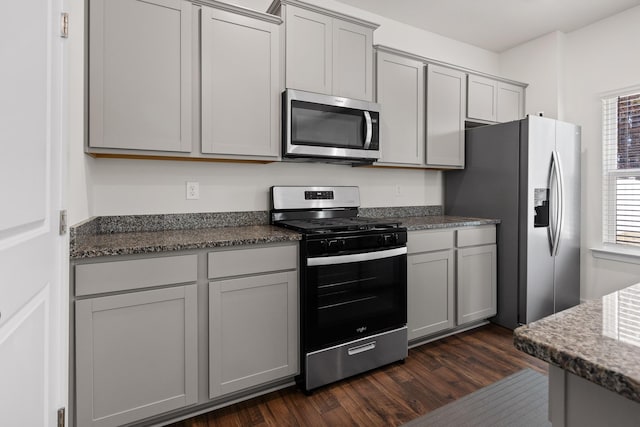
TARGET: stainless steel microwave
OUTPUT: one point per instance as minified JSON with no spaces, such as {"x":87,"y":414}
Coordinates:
{"x":329,"y":128}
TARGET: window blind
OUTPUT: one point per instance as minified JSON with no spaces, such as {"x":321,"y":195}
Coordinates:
{"x":621,"y":168}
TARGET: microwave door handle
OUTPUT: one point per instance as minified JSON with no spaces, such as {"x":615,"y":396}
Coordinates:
{"x":367,"y":139}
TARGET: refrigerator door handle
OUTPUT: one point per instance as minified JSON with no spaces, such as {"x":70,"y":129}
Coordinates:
{"x":554,"y":203}
{"x":553,"y":218}
{"x":560,"y":202}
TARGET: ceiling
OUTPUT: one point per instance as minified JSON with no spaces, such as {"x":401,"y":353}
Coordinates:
{"x":495,"y":25}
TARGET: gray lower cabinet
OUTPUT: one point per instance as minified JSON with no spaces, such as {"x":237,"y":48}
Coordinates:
{"x":253,"y":317}
{"x":477,"y":274}
{"x":252,"y":331}
{"x":136,"y":355}
{"x":451,"y":279}
{"x":140,"y":63}
{"x":430,"y":282}
{"x":240,"y":85}
{"x":430,"y":303}
{"x":151,"y":329}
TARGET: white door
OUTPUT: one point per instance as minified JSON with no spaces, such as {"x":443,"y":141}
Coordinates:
{"x":33,"y":297}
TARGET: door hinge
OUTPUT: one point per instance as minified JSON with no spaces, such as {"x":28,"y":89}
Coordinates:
{"x":61,"y":412}
{"x":63,"y":222}
{"x":64,"y":25}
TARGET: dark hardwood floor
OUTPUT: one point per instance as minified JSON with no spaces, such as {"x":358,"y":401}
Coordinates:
{"x":433,"y":375}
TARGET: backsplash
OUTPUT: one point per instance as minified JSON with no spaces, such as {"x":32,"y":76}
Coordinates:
{"x":401,"y":211}
{"x":190,"y":221}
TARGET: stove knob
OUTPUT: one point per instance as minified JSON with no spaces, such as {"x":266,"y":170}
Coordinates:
{"x":342,"y":244}
{"x":389,"y":239}
{"x":333,"y":245}
{"x":324,"y":245}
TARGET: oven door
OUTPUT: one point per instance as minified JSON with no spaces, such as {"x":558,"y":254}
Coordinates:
{"x":327,"y":126}
{"x":347,"y":297}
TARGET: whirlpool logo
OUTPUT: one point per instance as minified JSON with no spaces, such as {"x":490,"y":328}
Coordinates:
{"x":361,"y":329}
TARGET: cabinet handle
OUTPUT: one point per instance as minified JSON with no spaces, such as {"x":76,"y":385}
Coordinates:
{"x":361,"y":348}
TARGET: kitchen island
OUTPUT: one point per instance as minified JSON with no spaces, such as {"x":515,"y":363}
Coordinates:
{"x":593,"y":351}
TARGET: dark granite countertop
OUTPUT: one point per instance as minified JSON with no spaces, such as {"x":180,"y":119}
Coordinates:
{"x":415,"y":223}
{"x":95,"y":245}
{"x":597,"y":340}
{"x":140,"y":234}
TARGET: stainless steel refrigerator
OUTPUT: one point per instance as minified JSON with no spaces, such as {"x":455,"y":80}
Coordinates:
{"x":527,"y":174}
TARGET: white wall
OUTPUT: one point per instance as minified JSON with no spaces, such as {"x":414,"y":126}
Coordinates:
{"x":567,"y":76}
{"x":599,"y":58}
{"x":122,"y":187}
{"x":540,"y":63}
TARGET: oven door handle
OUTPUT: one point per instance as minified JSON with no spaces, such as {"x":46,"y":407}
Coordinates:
{"x":365,"y":256}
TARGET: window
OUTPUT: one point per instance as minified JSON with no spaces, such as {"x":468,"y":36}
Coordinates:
{"x":621,"y":168}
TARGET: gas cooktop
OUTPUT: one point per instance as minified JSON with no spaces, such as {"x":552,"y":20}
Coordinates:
{"x":334,"y":225}
{"x":322,"y":210}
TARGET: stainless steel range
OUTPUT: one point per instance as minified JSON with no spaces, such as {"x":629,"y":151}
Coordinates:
{"x":353,"y":283}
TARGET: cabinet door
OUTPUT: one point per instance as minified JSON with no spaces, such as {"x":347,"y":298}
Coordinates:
{"x":481,"y":98}
{"x":352,"y":60}
{"x":510,"y":102}
{"x":140,"y":75}
{"x":240,"y":84}
{"x":446,"y":94}
{"x":309,"y":52}
{"x":136,"y":355}
{"x":477,"y":294}
{"x":400,"y":90}
{"x":430,"y":283}
{"x":253,"y":331}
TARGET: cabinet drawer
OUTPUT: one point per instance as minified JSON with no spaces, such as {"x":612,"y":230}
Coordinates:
{"x":135,"y":274}
{"x":252,"y":261}
{"x":426,"y":241}
{"x":477,"y":236}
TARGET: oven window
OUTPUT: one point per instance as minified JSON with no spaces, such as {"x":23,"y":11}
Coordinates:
{"x":348,"y":301}
{"x":326,"y":126}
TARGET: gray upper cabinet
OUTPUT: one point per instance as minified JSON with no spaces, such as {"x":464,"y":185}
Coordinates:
{"x":326,"y":52}
{"x":136,"y":355}
{"x":446,"y":100}
{"x":400,"y":91}
{"x":491,"y":100}
{"x":352,"y":60}
{"x":140,"y":63}
{"x":240,"y":85}
{"x":510,"y":102}
{"x":309,"y":57}
{"x":482,"y":98}
{"x":174,"y":79}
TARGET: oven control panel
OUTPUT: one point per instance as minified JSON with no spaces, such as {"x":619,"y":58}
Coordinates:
{"x":319,"y":246}
{"x":318,"y":195}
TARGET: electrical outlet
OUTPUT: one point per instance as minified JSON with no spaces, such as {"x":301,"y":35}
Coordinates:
{"x":193,"y":190}
{"x":398,"y":190}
